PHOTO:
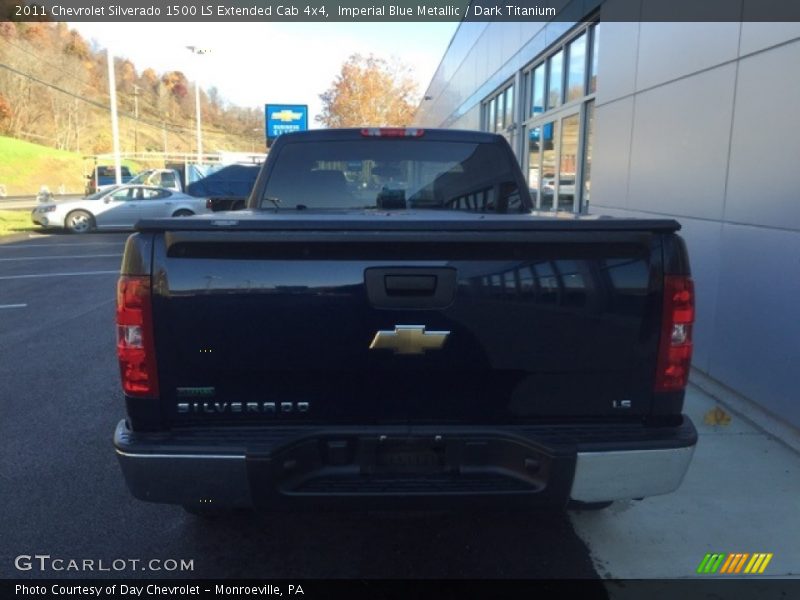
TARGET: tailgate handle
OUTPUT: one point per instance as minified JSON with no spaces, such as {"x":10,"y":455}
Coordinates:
{"x":410,"y":285}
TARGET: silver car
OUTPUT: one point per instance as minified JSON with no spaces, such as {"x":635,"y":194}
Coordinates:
{"x":117,"y":208}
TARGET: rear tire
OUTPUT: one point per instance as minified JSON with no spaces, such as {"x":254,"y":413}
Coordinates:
{"x":79,"y":221}
{"x":183,"y":213}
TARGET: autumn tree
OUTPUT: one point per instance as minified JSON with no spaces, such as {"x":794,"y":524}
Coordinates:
{"x":55,"y":92}
{"x":5,"y":114}
{"x":370,"y":91}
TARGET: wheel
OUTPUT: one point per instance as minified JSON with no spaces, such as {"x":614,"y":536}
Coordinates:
{"x":79,"y":221}
{"x":575,"y":505}
{"x":183,"y":213}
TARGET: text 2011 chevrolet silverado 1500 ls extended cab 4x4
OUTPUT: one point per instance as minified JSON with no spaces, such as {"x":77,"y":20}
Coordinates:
{"x":389,"y":325}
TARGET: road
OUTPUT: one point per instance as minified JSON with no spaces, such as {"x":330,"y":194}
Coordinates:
{"x":63,"y":493}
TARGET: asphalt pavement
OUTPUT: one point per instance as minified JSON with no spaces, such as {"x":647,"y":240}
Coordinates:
{"x":63,"y":494}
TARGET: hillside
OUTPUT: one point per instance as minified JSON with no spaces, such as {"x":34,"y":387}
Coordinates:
{"x":26,"y":167}
{"x":54,"y":91}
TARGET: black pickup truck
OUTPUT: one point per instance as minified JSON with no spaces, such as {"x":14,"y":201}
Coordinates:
{"x":388,"y":324}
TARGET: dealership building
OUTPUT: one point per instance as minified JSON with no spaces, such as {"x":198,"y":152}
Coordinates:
{"x":695,"y":121}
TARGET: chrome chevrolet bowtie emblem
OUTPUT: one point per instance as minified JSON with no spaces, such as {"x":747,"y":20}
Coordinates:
{"x":409,"y":339}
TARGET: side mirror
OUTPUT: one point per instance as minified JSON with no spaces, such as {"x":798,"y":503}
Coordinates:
{"x":107,"y":199}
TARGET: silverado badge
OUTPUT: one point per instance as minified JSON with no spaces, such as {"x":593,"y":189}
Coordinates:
{"x":409,"y":339}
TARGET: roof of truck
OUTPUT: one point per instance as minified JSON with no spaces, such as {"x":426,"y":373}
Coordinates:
{"x":421,"y":133}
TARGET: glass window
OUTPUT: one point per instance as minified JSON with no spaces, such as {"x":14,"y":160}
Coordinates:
{"x":548,"y":174}
{"x":567,"y":163}
{"x":490,"y":115}
{"x":587,"y":158}
{"x":509,"y":117}
{"x":121,"y":194}
{"x":500,"y":115}
{"x":534,"y":154}
{"x":537,"y":90}
{"x":392,"y":174}
{"x":168,"y":179}
{"x":576,"y":67}
{"x":555,"y":69}
{"x":593,"y":67}
{"x":155,"y":194}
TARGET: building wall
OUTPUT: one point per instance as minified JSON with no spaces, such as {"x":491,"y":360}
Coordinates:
{"x":694,"y":121}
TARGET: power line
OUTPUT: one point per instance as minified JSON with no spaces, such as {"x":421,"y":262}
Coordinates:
{"x":54,"y":66}
{"x":172,"y":127}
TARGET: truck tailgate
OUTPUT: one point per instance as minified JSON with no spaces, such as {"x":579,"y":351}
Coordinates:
{"x":444,"y":323}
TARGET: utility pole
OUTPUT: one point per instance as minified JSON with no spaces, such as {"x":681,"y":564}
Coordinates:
{"x":77,"y":128}
{"x":164,"y":130}
{"x":136,"y":116}
{"x":198,"y":51}
{"x":112,"y":91}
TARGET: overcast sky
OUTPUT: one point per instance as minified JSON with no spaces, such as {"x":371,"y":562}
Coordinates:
{"x":253,"y":64}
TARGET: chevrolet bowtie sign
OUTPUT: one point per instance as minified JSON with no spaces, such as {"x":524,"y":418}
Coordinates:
{"x":285,"y":118}
{"x":409,"y":339}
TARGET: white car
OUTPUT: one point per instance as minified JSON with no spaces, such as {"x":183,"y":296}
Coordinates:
{"x":118,"y":208}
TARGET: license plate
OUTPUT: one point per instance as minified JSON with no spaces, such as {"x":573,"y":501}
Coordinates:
{"x":409,"y":457}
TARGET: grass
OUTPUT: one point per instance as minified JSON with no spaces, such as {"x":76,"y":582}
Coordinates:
{"x":25,"y":167}
{"x":15,"y":221}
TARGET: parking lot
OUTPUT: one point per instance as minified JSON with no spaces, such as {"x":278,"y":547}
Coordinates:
{"x":63,"y":494}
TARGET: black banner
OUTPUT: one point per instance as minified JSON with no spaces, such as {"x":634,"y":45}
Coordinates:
{"x":685,"y":589}
{"x":395,"y":10}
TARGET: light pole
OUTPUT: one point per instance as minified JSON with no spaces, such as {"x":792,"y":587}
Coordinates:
{"x":112,"y":92}
{"x":198,"y":51}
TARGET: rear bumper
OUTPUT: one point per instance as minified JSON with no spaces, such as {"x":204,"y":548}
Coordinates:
{"x":403,"y":467}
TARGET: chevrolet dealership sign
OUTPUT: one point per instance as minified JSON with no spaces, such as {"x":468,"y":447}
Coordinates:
{"x":285,"y":118}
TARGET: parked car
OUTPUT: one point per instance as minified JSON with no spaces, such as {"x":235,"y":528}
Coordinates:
{"x":119,"y":207}
{"x":225,"y":187}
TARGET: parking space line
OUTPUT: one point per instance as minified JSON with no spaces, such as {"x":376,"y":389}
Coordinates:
{"x":13,"y":305}
{"x":38,"y":275}
{"x":10,"y":247}
{"x":61,"y":257}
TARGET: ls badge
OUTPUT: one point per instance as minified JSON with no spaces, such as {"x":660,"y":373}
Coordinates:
{"x":409,"y":339}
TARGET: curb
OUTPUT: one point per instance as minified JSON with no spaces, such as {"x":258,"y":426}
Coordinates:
{"x":748,"y":409}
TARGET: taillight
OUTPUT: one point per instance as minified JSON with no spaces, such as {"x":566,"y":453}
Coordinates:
{"x":135,"y":348}
{"x":391,"y":132}
{"x":209,"y":204}
{"x":675,"y":345}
